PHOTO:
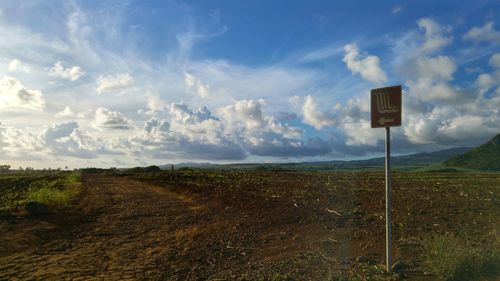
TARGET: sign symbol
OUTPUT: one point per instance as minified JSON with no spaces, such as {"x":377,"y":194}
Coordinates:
{"x":386,"y":107}
{"x":382,"y":121}
{"x":383,"y":103}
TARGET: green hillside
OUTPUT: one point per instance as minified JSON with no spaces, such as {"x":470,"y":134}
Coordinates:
{"x":485,"y":157}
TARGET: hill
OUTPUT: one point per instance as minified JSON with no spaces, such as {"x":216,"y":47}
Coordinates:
{"x":404,"y":162}
{"x":485,"y":157}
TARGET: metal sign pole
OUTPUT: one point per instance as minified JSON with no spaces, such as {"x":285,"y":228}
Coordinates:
{"x":386,"y":108}
{"x":388,"y":238}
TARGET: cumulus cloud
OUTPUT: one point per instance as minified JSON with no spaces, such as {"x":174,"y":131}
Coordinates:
{"x":437,"y":68}
{"x":114,"y":82}
{"x":237,"y":130}
{"x":359,"y":133}
{"x":495,"y":60}
{"x":15,"y":143}
{"x":195,"y":86}
{"x":106,"y":119}
{"x":265,"y":135}
{"x":17,"y":65}
{"x":188,"y":134}
{"x":245,"y":112}
{"x":429,"y":90}
{"x":14,"y":94}
{"x":428,"y":76}
{"x":67,"y":112}
{"x":487,"y":81}
{"x":59,"y":139}
{"x":368,"y":67}
{"x":313,"y":116}
{"x":70,"y":73}
{"x":485,"y":33}
{"x":451,"y":125}
{"x":68,"y":139}
{"x":435,"y":36}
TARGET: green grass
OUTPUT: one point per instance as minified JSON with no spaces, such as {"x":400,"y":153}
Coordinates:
{"x":51,"y":190}
{"x":56,"y":192}
{"x":456,"y":259}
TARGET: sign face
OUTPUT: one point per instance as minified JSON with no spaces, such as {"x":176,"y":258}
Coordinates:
{"x":386,"y":107}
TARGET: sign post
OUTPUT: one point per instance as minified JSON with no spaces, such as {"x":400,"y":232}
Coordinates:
{"x":386,"y":112}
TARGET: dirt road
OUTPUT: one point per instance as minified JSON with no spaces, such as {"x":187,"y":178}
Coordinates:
{"x":123,"y":229}
{"x":119,"y":229}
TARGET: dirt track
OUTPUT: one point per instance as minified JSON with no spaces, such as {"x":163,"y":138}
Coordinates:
{"x":120,"y":230}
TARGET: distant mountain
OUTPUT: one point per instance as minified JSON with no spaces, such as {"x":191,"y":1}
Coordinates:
{"x":405,"y":162}
{"x":485,"y":157}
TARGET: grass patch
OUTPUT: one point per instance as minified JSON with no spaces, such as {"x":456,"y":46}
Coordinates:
{"x":54,"y":193}
{"x":52,"y":189}
{"x":455,"y":259}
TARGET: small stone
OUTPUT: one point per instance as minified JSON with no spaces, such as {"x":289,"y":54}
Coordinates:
{"x":36,"y":208}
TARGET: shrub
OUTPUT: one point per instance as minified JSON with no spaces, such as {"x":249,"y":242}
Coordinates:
{"x":453,"y":258}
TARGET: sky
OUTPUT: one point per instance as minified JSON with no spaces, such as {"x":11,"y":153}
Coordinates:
{"x":127,"y":83}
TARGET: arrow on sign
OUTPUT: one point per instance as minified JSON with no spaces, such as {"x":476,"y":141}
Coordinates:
{"x":382,"y":121}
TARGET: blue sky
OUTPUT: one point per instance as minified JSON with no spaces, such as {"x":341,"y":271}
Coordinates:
{"x":122,"y":83}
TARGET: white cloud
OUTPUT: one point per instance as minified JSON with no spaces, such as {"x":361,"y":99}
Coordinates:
{"x":245,"y":112}
{"x":114,"y":82}
{"x":71,"y":73}
{"x":396,"y":9}
{"x":107,"y":119}
{"x":67,"y":112}
{"x":360,"y":133}
{"x":68,"y":139}
{"x":486,"y":33}
{"x":14,"y":94}
{"x":194,"y":85}
{"x":17,"y":65}
{"x":264,"y":135}
{"x":313,"y":116}
{"x":428,"y":78}
{"x":368,"y":67}
{"x":429,"y":90}
{"x":487,"y":81}
{"x":434,"y":36}
{"x":437,"y":68}
{"x":321,"y":54}
{"x":495,"y":60}
{"x":189,"y":134}
{"x":154,"y":105}
{"x":15,"y":143}
{"x":448,"y":124}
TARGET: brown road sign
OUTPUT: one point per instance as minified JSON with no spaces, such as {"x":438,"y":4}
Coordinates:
{"x":386,"y":107}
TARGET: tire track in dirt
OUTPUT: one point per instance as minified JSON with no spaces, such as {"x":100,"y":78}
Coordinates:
{"x":119,"y":229}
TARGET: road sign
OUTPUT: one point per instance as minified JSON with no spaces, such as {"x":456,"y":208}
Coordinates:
{"x":386,"y":107}
{"x":386,"y":113}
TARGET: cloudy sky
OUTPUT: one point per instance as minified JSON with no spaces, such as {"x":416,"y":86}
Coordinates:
{"x":124,"y":83}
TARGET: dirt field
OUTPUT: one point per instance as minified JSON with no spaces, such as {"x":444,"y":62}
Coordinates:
{"x":246,"y":226}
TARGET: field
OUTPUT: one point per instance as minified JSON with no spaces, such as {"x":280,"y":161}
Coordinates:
{"x":258,"y":225}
